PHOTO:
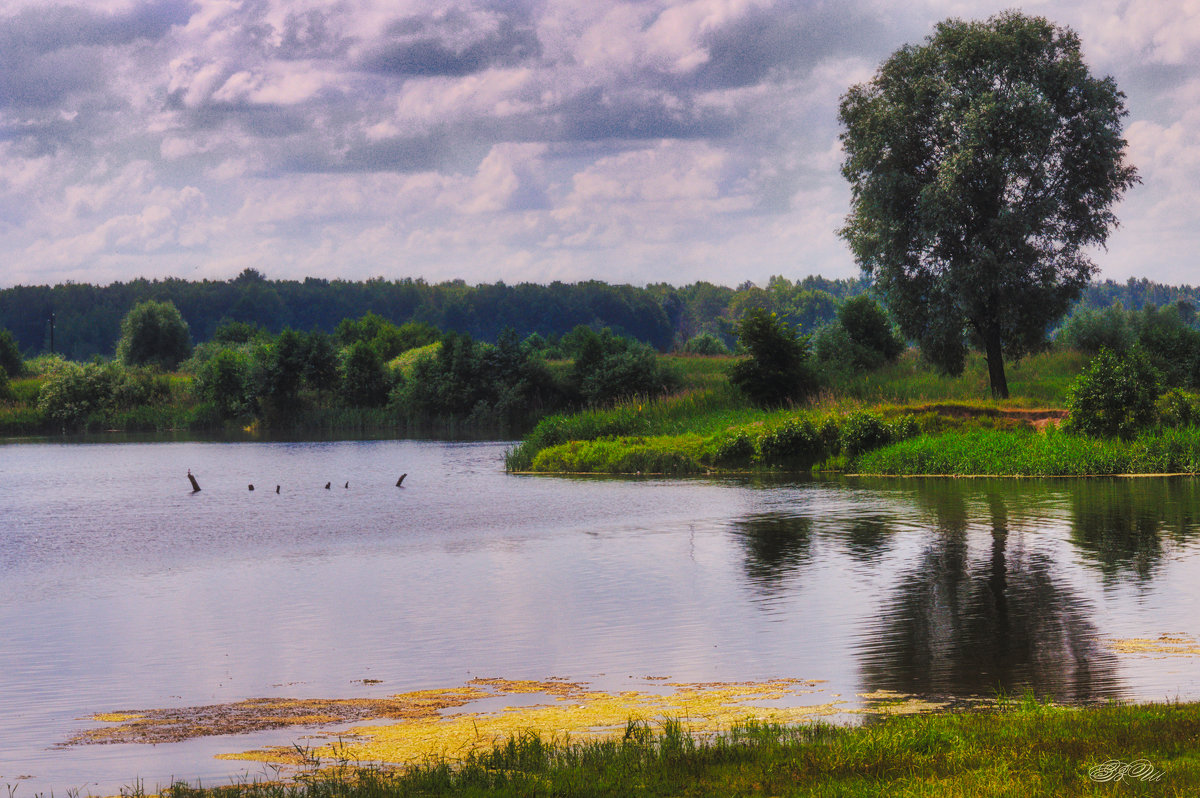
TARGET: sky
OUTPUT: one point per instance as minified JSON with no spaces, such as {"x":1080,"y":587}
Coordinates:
{"x":514,"y":140}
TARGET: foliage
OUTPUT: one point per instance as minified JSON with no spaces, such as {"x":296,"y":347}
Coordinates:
{"x":10,"y":355}
{"x":388,"y":339}
{"x":1089,"y":330}
{"x":982,"y":165}
{"x":154,"y":333}
{"x":224,"y":381}
{"x":238,"y":332}
{"x":320,"y":362}
{"x":364,"y":382}
{"x":1178,"y":409}
{"x":278,"y":371}
{"x":479,"y":383}
{"x":74,"y":395}
{"x":1113,"y":396}
{"x":608,"y":367}
{"x":1171,"y":344}
{"x":776,"y":371}
{"x":860,"y":339}
{"x":794,"y":443}
{"x":705,"y":344}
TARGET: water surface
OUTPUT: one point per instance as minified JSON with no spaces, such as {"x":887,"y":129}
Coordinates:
{"x":120,"y":589}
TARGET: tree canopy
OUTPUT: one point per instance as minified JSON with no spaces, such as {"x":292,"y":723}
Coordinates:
{"x":154,"y":333}
{"x":983,"y":164}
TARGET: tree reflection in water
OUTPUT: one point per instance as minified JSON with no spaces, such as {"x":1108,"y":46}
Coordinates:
{"x":1125,"y":526}
{"x":777,"y":545}
{"x":962,"y":622}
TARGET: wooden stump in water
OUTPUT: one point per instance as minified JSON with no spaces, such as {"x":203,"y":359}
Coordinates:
{"x":195,"y":484}
{"x":327,"y":484}
{"x":400,"y":481}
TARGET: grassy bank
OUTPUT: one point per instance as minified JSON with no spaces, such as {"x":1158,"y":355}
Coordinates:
{"x":902,"y":419}
{"x":1021,"y":748}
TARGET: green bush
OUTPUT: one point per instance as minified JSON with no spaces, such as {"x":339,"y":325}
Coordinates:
{"x":796,"y":442}
{"x":735,"y":450}
{"x":1178,"y":409}
{"x":73,"y":393}
{"x":1113,"y":396}
{"x":705,"y":344}
{"x":862,"y":431}
{"x":776,"y":372}
{"x":862,"y":337}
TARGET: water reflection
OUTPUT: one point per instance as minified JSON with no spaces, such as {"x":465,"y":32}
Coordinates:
{"x":1124,"y":526}
{"x":982,"y":609}
{"x":776,"y":546}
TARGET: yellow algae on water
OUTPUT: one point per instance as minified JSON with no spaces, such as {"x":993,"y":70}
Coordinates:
{"x":439,"y":724}
{"x":579,"y":714}
{"x":116,"y":717}
{"x":1164,"y":644}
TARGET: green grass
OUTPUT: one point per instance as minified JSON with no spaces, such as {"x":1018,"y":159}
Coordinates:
{"x":1052,"y":453}
{"x":1039,"y":380}
{"x":1023,"y":748}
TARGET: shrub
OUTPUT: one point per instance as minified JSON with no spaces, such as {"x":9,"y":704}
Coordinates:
{"x":737,"y":449}
{"x":705,"y":344}
{"x":862,"y":432}
{"x":1178,"y":409}
{"x":72,"y":393}
{"x":776,"y":372}
{"x":795,"y":442}
{"x":1113,"y":396}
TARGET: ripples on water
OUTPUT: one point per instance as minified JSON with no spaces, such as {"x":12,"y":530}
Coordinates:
{"x":120,"y":589}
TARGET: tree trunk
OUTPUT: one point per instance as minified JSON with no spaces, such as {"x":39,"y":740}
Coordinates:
{"x":995,"y":361}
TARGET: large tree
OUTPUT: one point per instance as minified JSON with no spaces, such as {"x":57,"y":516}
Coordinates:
{"x":983,"y":164}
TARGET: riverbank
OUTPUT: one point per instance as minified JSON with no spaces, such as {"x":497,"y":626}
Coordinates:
{"x":898,"y":421}
{"x":1020,"y":747}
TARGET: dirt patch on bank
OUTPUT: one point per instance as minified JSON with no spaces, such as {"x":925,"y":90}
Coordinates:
{"x":1038,"y":418}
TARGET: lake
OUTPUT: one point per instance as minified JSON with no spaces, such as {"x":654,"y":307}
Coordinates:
{"x":121,"y":589}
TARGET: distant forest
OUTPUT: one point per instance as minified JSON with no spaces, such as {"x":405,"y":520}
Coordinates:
{"x":87,"y":318}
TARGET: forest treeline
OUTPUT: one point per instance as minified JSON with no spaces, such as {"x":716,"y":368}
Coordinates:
{"x":87,"y":318}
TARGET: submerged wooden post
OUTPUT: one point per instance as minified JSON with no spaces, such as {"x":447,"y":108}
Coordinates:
{"x":347,"y":484}
{"x":400,"y":481}
{"x":327,"y":484}
{"x":276,"y":488}
{"x":195,"y":484}
{"x":252,"y":486}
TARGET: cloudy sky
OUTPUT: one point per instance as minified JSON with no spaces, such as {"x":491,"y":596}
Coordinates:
{"x":522,"y":140}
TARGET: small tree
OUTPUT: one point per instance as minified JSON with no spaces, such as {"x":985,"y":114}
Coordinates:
{"x":1113,"y":396}
{"x":776,"y":372}
{"x":154,"y":333}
